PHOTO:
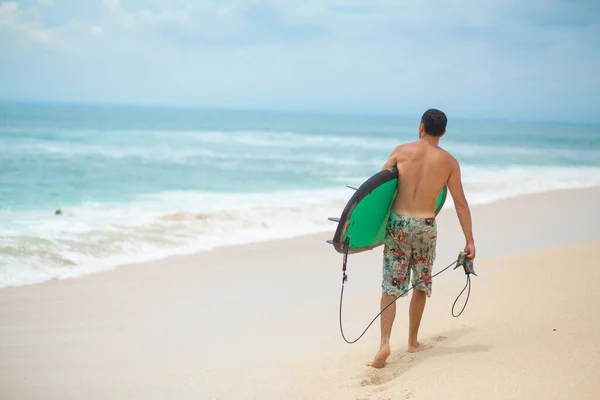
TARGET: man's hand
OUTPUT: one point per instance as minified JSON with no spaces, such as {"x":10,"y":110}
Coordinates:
{"x":470,"y":250}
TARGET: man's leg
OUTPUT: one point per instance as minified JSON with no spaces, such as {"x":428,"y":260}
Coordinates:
{"x":396,"y":254}
{"x":387,"y":320}
{"x":424,"y":256}
{"x":415,"y":312}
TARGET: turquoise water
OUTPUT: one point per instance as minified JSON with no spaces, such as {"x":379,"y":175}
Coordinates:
{"x":137,"y":184}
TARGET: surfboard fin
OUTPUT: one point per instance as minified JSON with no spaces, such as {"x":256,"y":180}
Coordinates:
{"x":350,"y":187}
{"x":333,"y":219}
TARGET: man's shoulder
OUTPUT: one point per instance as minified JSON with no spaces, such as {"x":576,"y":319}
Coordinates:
{"x":405,"y":147}
{"x":448,"y":155}
{"x":449,"y":159}
{"x":403,"y":152}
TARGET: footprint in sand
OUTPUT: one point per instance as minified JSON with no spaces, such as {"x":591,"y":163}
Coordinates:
{"x":439,"y":338}
{"x":373,"y":380}
{"x":385,"y":375}
{"x":376,"y":379}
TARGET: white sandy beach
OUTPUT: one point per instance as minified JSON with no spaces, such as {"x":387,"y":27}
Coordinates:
{"x":261,"y":321}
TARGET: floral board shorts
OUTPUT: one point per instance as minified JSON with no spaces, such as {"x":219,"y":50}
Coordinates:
{"x":409,"y":249}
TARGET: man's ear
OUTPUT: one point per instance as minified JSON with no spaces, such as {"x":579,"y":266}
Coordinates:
{"x":421,"y":130}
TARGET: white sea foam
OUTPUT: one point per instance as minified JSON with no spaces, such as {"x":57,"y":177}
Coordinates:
{"x":159,"y":153}
{"x":287,"y":139}
{"x":180,"y":147}
{"x":492,"y":184}
{"x":35,"y":246}
{"x":95,"y":237}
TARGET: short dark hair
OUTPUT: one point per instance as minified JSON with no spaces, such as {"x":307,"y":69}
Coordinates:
{"x":434,"y":121}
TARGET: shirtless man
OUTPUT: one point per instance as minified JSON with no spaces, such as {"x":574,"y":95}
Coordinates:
{"x":424,"y":169}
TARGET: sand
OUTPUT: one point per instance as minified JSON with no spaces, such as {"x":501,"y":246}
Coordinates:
{"x":261,"y":321}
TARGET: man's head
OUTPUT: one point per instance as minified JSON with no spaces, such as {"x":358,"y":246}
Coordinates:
{"x":433,"y":123}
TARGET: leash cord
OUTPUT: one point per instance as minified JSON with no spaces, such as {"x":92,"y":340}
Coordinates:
{"x":466,"y":300}
{"x":344,"y":279}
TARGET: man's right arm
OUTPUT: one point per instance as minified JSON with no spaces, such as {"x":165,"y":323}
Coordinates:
{"x":462,"y":207}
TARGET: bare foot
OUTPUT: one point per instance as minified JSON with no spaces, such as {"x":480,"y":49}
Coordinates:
{"x":413,"y":348}
{"x":380,"y":357}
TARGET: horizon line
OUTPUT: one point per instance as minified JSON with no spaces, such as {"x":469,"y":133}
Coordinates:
{"x":281,"y":111}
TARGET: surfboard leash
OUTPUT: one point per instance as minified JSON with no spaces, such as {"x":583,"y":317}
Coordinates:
{"x":461,"y":261}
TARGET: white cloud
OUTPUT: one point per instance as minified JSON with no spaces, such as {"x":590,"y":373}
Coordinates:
{"x":13,"y":18}
{"x":45,"y":3}
{"x":97,"y":30}
{"x":8,"y":11}
{"x":116,"y":10}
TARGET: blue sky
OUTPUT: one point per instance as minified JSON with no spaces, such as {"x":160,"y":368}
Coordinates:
{"x":537,"y":60}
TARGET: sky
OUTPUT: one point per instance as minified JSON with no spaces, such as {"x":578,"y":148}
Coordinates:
{"x":531,"y":60}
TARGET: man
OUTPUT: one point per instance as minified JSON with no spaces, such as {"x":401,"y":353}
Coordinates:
{"x":409,"y":250}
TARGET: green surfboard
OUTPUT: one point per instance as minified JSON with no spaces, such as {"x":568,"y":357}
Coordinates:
{"x":362,"y":223}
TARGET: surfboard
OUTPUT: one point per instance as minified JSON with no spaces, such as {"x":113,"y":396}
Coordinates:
{"x":364,"y":218}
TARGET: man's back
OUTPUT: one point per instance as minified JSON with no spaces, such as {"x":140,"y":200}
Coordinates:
{"x":423,"y":170}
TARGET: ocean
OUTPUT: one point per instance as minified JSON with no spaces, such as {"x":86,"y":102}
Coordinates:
{"x":137,"y":184}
